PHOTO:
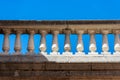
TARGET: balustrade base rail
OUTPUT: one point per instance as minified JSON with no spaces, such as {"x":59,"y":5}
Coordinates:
{"x":65,"y":58}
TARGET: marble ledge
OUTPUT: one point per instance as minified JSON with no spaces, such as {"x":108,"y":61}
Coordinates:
{"x":65,"y":58}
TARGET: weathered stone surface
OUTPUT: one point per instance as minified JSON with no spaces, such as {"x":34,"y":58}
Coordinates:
{"x":105,"y":66}
{"x":62,"y":75}
{"x":67,"y":66}
{"x":59,"y":73}
{"x":61,"y":78}
{"x":27,"y":66}
{"x":60,"y":25}
{"x":61,"y":58}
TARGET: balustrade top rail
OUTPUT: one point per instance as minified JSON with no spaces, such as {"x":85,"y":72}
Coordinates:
{"x":85,"y":25}
{"x":26,"y":22}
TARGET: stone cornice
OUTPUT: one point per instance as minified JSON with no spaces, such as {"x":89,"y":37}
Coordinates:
{"x":50,"y":26}
{"x":56,"y":22}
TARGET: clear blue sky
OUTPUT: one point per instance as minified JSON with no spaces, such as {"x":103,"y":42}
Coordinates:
{"x":59,"y":10}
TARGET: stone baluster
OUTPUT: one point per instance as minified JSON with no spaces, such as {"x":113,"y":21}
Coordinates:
{"x":55,"y":41}
{"x":43,"y":41}
{"x":17,"y":47}
{"x":6,"y":45}
{"x":92,"y":46}
{"x":80,"y":46}
{"x":117,"y":41}
{"x":105,"y":46}
{"x":67,"y":46}
{"x":31,"y":42}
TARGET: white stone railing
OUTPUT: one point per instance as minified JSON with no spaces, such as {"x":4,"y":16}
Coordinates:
{"x":60,"y":27}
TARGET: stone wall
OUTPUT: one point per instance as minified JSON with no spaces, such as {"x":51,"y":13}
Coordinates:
{"x":58,"y":71}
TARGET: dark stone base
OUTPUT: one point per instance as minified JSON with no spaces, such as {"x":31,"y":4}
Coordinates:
{"x":63,"y":78}
{"x":11,"y":69}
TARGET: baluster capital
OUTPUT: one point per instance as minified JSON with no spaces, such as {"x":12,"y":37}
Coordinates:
{"x":67,"y":31}
{"x":55,"y":32}
{"x":8,"y":31}
{"x":31,"y":31}
{"x":43,"y":32}
{"x":91,"y":31}
{"x":18,"y":31}
{"x":116,"y":31}
{"x":80,"y":31}
{"x":105,"y":31}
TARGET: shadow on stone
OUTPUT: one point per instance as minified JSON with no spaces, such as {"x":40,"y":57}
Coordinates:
{"x":23,"y":58}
